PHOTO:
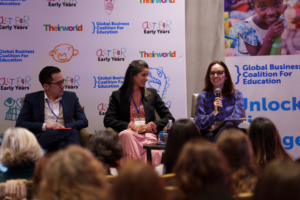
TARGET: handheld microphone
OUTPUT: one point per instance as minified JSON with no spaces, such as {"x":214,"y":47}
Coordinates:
{"x":218,"y":94}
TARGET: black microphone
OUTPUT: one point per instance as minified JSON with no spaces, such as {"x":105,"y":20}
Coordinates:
{"x":218,"y":91}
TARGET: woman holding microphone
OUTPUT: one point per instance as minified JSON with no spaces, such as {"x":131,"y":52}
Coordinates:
{"x":230,"y":101}
{"x":131,"y":112}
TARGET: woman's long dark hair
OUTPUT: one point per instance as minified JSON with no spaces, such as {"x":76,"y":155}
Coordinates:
{"x":134,"y":68}
{"x":266,"y":142}
{"x":228,"y":88}
{"x":182,"y":131}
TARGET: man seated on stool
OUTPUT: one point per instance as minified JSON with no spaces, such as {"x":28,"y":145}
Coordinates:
{"x":46,"y":113}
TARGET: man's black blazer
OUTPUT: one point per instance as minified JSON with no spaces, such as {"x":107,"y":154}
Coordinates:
{"x":118,"y":112}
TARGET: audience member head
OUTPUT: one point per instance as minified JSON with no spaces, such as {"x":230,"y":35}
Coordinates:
{"x":136,"y":76}
{"x":266,"y":142}
{"x":19,"y":148}
{"x":227,"y":87}
{"x":137,"y":181}
{"x":236,"y":148}
{"x":182,"y":131}
{"x":73,"y":173}
{"x":279,"y":180}
{"x":106,"y":147}
{"x":38,"y":171}
{"x":201,"y":169}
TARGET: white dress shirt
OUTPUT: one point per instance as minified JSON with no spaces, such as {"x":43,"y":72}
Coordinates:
{"x":49,"y":116}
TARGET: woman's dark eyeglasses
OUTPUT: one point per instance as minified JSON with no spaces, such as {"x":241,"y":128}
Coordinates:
{"x":59,"y":83}
{"x":219,"y":73}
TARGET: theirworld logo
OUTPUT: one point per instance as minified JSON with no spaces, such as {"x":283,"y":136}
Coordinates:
{"x":157,"y":1}
{"x":152,"y":54}
{"x":48,"y":27}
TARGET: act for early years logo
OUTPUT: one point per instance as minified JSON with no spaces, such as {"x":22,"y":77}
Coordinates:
{"x":62,"y":3}
{"x":14,"y":23}
{"x":111,"y":54}
{"x":102,"y":108}
{"x":17,"y":83}
{"x":72,"y":82}
{"x":63,"y":53}
{"x":159,"y":27}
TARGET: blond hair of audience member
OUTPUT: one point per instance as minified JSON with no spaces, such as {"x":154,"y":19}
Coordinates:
{"x":19,"y":148}
{"x":137,"y":181}
{"x":266,"y":142}
{"x":279,"y":180}
{"x":71,"y":174}
{"x":236,"y":147}
{"x":201,"y":169}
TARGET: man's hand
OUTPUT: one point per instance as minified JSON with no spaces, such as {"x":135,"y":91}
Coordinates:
{"x":53,"y":126}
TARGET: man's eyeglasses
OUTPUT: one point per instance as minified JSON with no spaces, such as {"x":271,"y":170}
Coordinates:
{"x":59,"y":83}
{"x":219,"y":73}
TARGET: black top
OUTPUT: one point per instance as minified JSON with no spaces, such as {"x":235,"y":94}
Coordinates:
{"x":117,"y":116}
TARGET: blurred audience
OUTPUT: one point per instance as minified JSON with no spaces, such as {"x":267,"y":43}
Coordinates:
{"x":73,"y":174}
{"x":182,"y":131}
{"x":137,"y":181}
{"x":107,"y":148}
{"x":19,"y":152}
{"x":202,"y":169}
{"x":279,"y":180}
{"x":237,"y":149}
{"x":39,"y":168}
{"x":266,"y":142}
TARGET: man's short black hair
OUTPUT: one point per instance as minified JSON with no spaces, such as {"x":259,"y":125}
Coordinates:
{"x":45,"y":75}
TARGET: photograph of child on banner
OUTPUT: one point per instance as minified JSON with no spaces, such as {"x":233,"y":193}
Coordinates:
{"x":273,"y":29}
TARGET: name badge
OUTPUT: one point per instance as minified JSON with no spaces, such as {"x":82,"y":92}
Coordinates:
{"x":139,"y":121}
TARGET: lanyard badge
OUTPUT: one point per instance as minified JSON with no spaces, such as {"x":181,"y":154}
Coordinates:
{"x":57,"y":117}
{"x":138,"y":121}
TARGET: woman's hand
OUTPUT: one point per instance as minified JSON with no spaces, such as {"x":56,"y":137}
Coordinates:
{"x":139,"y":128}
{"x":217,"y":103}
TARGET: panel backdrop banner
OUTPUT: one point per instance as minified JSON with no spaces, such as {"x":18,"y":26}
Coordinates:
{"x":269,"y":82}
{"x":92,"y":42}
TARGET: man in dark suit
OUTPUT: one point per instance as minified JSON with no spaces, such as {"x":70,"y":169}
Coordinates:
{"x":47,"y":113}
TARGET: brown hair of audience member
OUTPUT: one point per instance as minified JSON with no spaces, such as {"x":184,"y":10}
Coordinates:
{"x":266,"y":142}
{"x":19,"y":148}
{"x":279,"y":180}
{"x":236,"y":147}
{"x":73,"y":173}
{"x":137,"y":181}
{"x":106,"y":147}
{"x":201,"y":169}
{"x":182,"y":131}
{"x":228,"y":88}
{"x":38,"y":171}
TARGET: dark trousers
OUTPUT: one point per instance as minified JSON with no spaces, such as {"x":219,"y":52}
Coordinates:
{"x":213,"y":135}
{"x":52,"y":140}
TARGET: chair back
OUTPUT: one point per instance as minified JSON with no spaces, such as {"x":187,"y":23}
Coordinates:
{"x":194,"y":99}
{"x":111,"y":179}
{"x":243,"y":196}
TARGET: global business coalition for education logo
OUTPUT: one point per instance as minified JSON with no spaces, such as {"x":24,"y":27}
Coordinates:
{"x":14,"y":23}
{"x":264,"y":74}
{"x":11,"y":2}
{"x":109,"y":27}
{"x":18,"y":83}
{"x":14,"y":55}
{"x":108,"y":81}
{"x":159,"y":27}
{"x":62,"y":3}
{"x":111,"y":54}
